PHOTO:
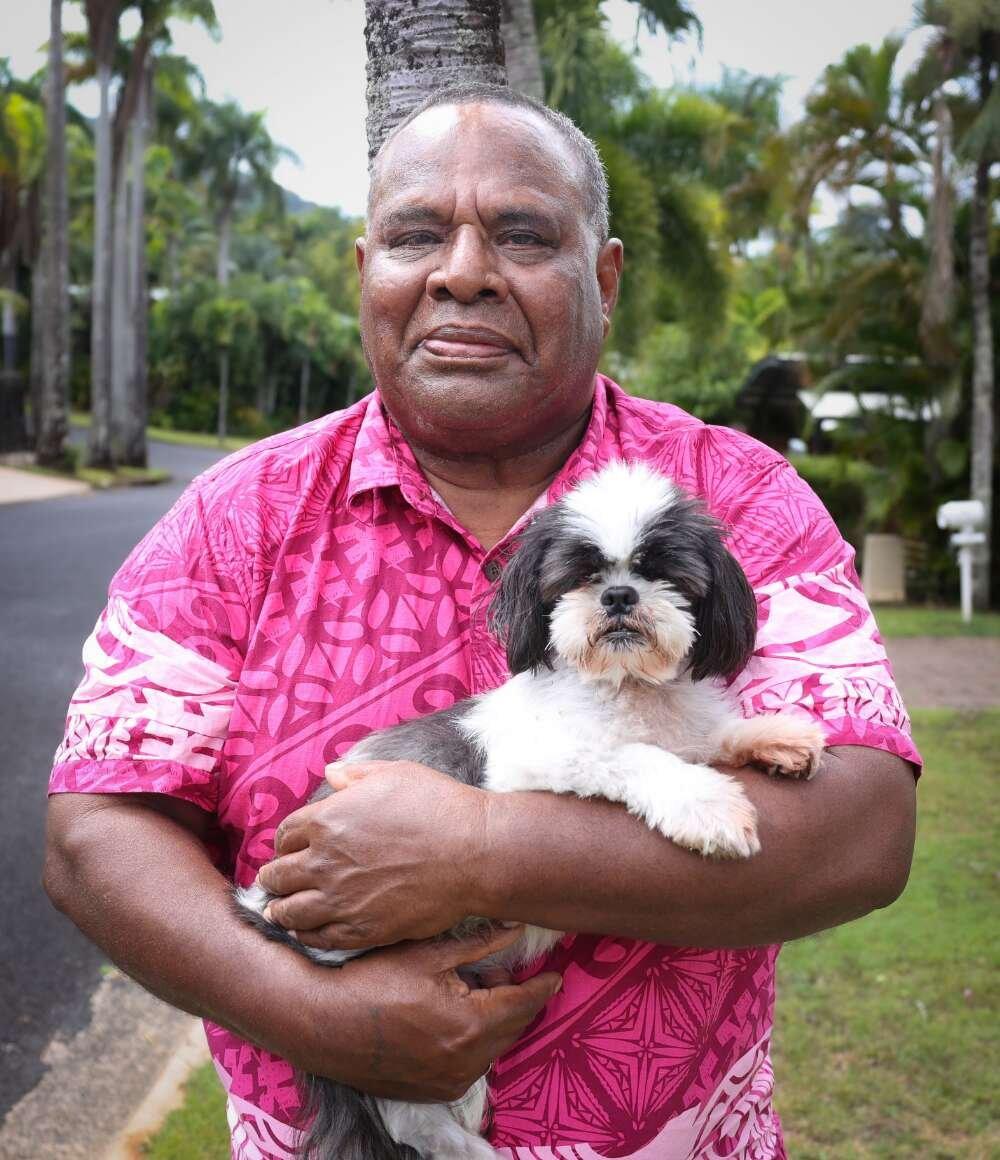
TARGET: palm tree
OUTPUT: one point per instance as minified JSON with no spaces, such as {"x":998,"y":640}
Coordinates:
{"x":857,"y":133}
{"x":102,"y":30}
{"x":964,"y":58}
{"x":52,"y":420}
{"x":417,"y":49}
{"x":234,"y":153}
{"x":133,"y":118}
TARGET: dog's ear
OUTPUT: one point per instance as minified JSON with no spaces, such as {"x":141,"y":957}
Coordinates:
{"x":725,"y":618}
{"x":518,"y":614}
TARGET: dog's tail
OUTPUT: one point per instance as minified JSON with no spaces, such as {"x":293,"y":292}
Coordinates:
{"x":346,"y":1125}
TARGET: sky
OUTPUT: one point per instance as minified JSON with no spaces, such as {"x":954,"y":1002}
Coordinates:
{"x":303,"y":62}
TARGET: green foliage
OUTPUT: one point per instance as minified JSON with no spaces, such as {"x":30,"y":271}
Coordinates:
{"x":847,"y":488}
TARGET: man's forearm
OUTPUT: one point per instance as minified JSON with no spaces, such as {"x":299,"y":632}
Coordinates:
{"x":142,"y":887}
{"x":833,"y":849}
{"x":399,"y":1023}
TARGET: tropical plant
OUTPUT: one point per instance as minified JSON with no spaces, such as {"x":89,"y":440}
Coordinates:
{"x":960,"y":70}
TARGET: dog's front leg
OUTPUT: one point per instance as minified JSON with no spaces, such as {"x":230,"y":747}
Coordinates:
{"x":785,"y":745}
{"x":694,"y":805}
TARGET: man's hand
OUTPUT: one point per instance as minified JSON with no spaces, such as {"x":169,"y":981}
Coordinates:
{"x":385,"y":859}
{"x":418,"y":1031}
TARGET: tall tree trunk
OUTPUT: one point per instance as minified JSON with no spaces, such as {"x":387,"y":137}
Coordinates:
{"x":100,"y":295}
{"x":8,"y":279}
{"x":415,"y":50}
{"x":121,"y":329}
{"x":982,"y":374}
{"x":223,"y":394}
{"x":304,"y":376}
{"x":938,"y":303}
{"x":136,"y":384}
{"x":39,"y":318}
{"x":52,"y":424}
{"x":225,"y":238}
{"x":520,"y":41}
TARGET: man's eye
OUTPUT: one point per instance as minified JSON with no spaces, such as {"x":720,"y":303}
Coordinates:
{"x":417,"y":238}
{"x":523,"y":238}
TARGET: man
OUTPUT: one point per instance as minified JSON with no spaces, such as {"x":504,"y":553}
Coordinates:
{"x":335,"y":579}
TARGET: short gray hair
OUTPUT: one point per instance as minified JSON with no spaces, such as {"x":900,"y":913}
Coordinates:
{"x":595,"y":179}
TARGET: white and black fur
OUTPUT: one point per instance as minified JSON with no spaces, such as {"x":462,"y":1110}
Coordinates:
{"x":618,"y":609}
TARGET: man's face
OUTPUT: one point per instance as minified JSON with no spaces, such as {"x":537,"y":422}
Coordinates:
{"x":485,"y":295}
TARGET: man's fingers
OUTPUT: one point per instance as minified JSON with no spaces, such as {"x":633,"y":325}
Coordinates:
{"x":306,"y":910}
{"x":287,"y":874}
{"x":293,"y":833}
{"x":511,"y":1009}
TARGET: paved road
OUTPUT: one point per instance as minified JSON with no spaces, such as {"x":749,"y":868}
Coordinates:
{"x":56,"y":558}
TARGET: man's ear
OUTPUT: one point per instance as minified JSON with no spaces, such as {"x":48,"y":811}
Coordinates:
{"x":359,"y":252}
{"x":609,"y":272}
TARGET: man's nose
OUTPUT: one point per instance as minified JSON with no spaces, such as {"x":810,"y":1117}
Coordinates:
{"x":468,"y":270}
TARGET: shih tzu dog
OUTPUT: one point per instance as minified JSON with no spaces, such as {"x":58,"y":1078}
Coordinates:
{"x":622,"y":613}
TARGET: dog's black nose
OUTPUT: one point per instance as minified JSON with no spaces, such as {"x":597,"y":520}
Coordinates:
{"x":618,"y":600}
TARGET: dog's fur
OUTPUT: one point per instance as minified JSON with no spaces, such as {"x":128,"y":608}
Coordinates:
{"x":619,"y":607}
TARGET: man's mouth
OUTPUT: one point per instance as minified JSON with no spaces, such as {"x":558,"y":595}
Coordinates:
{"x":460,"y":342}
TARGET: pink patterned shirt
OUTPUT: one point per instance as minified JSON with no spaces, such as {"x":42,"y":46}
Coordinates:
{"x":312,"y":588}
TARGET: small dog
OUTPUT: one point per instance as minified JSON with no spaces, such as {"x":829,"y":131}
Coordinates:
{"x":618,"y":608}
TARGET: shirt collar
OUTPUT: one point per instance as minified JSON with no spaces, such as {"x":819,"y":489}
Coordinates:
{"x":383,"y":458}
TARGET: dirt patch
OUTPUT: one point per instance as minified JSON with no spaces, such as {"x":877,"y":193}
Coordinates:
{"x":947,"y":672}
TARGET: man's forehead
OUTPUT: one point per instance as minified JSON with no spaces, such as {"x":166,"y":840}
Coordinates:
{"x":486,"y":143}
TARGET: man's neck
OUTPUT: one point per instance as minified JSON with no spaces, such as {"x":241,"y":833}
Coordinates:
{"x":487,"y":494}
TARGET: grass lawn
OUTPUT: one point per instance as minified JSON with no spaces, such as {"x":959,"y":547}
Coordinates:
{"x":197,"y":1130}
{"x":896,"y":620}
{"x":886,"y":1043}
{"x":886,"y":1037}
{"x":167,"y":435}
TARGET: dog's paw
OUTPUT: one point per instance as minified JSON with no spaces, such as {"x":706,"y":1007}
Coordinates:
{"x":719,"y":822}
{"x":790,"y":748}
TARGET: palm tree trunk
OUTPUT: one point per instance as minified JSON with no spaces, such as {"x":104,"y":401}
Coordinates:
{"x":100,"y":299}
{"x":417,"y":49}
{"x":982,"y":375}
{"x":223,"y":394}
{"x":938,"y":302}
{"x":225,"y":236}
{"x":304,"y":375}
{"x":121,"y":331}
{"x":52,"y":421}
{"x":8,"y":279}
{"x":136,"y":384}
{"x":520,"y":41}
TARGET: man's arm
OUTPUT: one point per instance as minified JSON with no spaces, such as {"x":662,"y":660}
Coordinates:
{"x":132,"y":873}
{"x":834,"y":848}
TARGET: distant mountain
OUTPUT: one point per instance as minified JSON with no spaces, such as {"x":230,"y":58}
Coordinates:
{"x":295,"y":204}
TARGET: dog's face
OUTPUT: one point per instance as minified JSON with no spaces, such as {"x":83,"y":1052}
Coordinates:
{"x":626,"y":577}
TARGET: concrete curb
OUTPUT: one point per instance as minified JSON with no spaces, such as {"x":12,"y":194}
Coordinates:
{"x":98,"y":1078}
{"x":27,"y":486}
{"x":166,"y":1094}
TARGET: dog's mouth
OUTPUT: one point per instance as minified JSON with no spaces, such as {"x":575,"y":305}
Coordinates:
{"x":619,"y":634}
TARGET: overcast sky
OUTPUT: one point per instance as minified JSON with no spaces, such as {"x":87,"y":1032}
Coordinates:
{"x":303,"y":61}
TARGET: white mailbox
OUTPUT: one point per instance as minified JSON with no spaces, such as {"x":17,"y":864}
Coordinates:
{"x":964,"y":517}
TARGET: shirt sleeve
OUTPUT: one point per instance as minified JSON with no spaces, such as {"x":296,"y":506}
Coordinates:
{"x":818,"y":647}
{"x":152,"y":712}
